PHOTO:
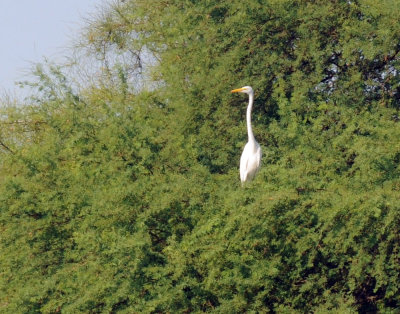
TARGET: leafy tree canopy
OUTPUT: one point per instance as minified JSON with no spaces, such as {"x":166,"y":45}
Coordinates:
{"x":121,"y":193}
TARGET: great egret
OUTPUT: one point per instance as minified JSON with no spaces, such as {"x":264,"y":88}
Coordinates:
{"x":251,"y":156}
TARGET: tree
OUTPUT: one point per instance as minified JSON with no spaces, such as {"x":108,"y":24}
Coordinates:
{"x":114,"y":199}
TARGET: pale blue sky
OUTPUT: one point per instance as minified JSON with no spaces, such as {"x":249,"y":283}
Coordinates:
{"x":33,"y":29}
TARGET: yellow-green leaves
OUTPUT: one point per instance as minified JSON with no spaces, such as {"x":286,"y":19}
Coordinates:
{"x":123,"y":196}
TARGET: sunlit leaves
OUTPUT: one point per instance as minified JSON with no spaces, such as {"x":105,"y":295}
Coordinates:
{"x":119,"y":200}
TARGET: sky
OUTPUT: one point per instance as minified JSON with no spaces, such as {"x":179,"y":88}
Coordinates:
{"x":33,"y":29}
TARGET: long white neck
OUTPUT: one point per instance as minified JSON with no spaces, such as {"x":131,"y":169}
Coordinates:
{"x":248,"y":118}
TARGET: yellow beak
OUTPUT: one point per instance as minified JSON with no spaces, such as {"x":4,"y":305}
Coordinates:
{"x":237,"y":90}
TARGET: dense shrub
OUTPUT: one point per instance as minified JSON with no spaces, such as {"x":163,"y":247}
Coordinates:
{"x":114,"y":199}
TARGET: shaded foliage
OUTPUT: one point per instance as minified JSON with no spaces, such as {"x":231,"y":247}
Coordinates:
{"x":116,"y":201}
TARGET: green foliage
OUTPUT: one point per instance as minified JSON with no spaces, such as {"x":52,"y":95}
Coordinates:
{"x":120,"y":201}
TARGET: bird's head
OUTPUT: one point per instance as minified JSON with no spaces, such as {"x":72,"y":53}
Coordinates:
{"x":246,"y":89}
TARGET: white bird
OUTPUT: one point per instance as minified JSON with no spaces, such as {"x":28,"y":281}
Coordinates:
{"x":250,"y":160}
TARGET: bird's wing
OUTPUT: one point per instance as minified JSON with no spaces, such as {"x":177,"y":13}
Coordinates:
{"x":243,"y":171}
{"x":259,"y":155}
{"x":244,"y":165}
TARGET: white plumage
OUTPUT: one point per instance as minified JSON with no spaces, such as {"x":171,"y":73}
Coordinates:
{"x":250,"y":160}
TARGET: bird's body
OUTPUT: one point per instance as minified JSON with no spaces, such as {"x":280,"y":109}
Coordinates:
{"x":250,"y":161}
